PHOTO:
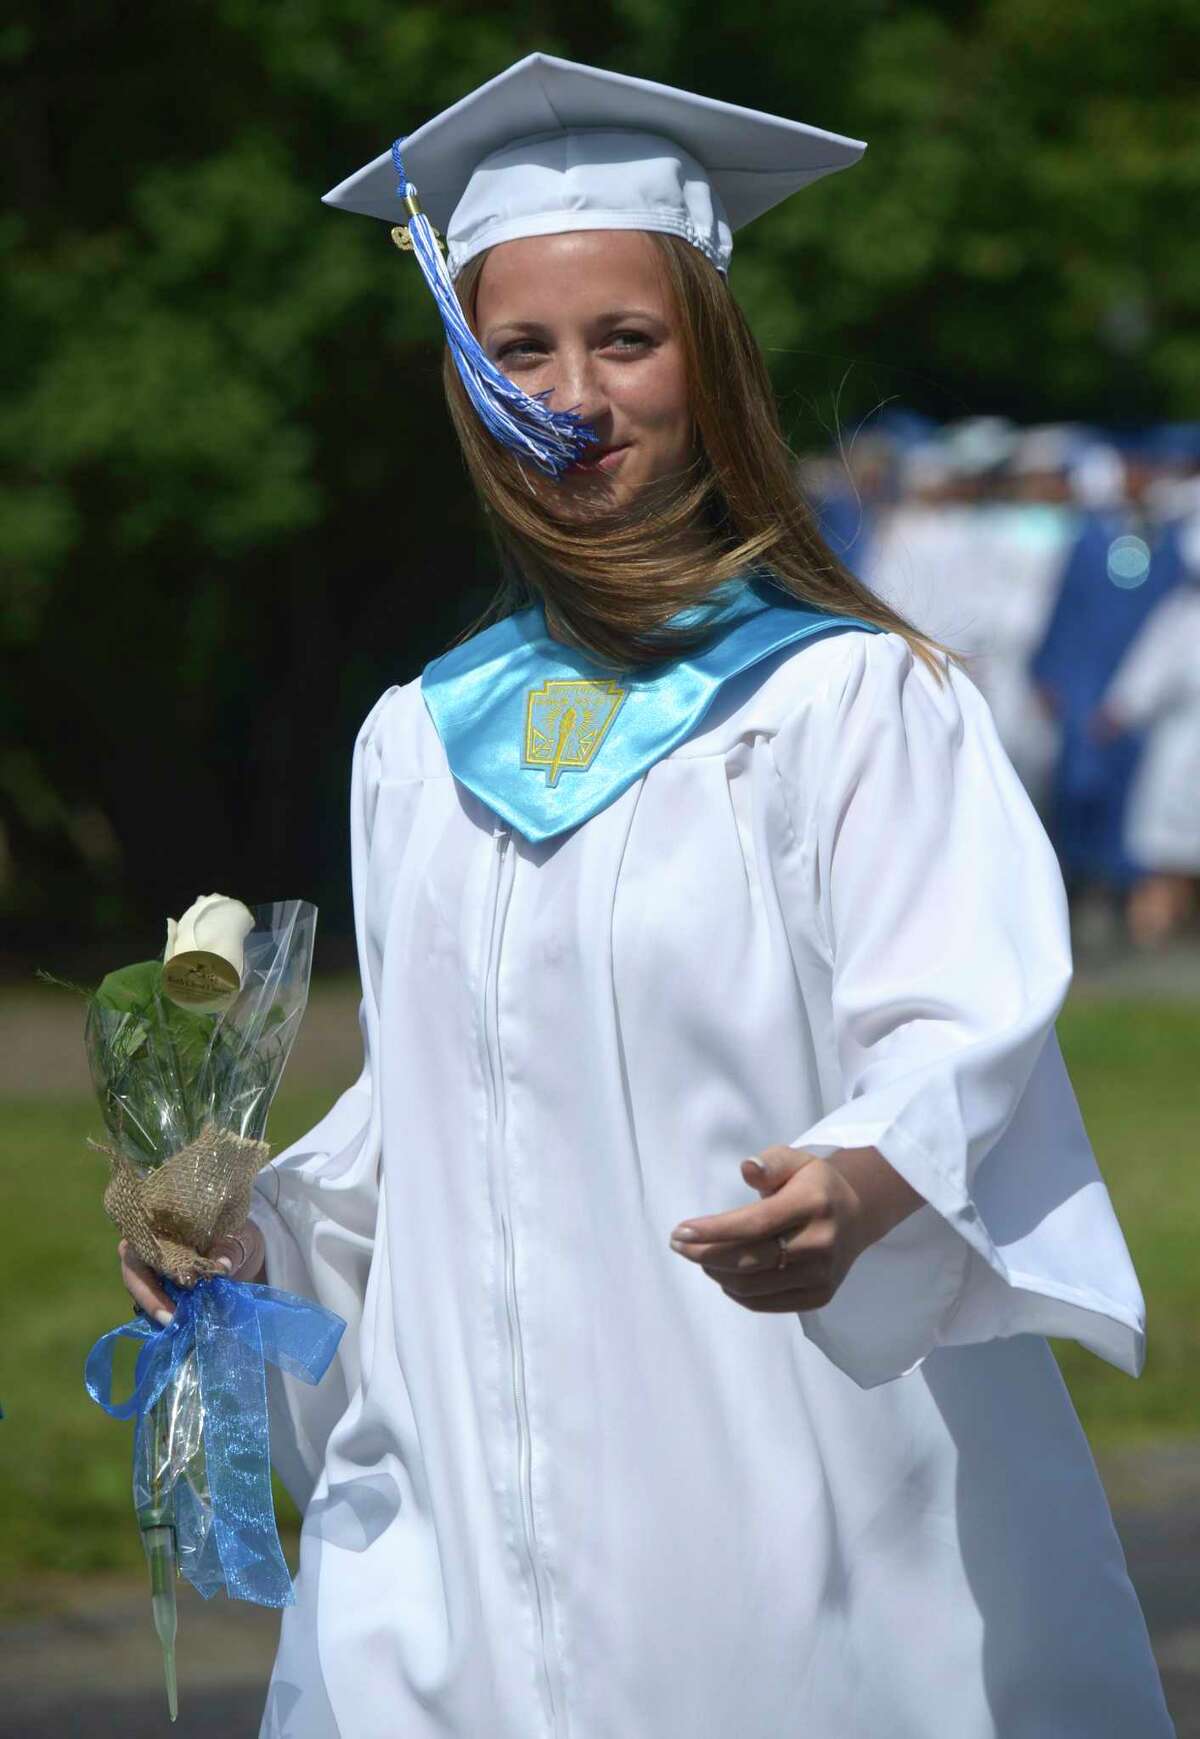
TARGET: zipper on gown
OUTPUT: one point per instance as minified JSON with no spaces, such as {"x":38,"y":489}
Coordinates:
{"x":502,"y":889}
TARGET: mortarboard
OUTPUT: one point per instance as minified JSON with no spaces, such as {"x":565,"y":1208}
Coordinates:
{"x":976,"y":445}
{"x":1049,"y":447}
{"x":1097,"y":477}
{"x":551,"y":145}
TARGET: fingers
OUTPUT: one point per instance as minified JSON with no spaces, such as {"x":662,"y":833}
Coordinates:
{"x":802,"y":1245}
{"x":767,"y":1183}
{"x":142,"y":1285}
{"x":804,"y":1194}
{"x":814,"y":1298}
{"x":228,"y":1252}
{"x":751,"y":1273}
{"x":241,"y":1253}
{"x":769,"y":1281}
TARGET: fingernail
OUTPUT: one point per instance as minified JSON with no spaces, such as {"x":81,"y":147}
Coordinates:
{"x":163,"y":1317}
{"x":685,"y":1232}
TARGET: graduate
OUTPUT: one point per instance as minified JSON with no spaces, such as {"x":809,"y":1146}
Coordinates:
{"x":978,"y":571}
{"x":713,"y":1177}
{"x":1024,"y":539}
{"x":1119,"y":567}
{"x":920,"y":560}
{"x":1156,"y":690}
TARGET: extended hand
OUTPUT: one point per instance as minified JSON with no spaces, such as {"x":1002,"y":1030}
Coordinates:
{"x":820,"y":1215}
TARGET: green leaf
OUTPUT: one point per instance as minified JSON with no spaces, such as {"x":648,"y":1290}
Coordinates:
{"x":131,"y":989}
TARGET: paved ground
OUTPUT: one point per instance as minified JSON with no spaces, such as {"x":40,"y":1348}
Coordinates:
{"x":59,"y":1670}
{"x":41,"y":1039}
{"x":92,"y":1669}
{"x":1155,"y":1493}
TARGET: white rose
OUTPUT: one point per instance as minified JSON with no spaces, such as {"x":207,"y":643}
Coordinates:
{"x":213,"y":924}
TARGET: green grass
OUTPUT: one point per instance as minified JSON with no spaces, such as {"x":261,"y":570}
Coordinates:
{"x":1136,"y":1071}
{"x":64,"y":1467}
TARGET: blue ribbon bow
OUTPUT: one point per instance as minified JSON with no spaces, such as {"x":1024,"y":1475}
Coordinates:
{"x":234,"y":1328}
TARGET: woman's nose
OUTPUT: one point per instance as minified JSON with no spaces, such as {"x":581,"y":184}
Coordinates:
{"x":577,"y":386}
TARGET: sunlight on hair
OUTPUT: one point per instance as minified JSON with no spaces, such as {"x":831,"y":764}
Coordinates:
{"x":611,"y":577}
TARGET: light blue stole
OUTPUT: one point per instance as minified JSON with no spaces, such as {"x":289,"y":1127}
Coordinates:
{"x":546,"y":736}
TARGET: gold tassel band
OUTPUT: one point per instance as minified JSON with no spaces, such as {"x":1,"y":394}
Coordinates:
{"x":400,"y":233}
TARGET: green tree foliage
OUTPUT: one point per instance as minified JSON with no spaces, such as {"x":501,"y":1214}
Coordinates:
{"x":231,"y":510}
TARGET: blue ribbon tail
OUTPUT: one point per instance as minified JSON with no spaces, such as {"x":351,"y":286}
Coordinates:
{"x":239,"y":1328}
{"x":235,"y":1329}
{"x":163,"y":1351}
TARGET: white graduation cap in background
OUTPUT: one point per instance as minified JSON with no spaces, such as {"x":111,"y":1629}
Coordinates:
{"x":551,"y":145}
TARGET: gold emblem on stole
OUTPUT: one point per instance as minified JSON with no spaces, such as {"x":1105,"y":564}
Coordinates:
{"x":566,"y":722}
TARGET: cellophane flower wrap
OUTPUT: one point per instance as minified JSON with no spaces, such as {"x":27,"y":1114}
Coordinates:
{"x":185,"y":1092}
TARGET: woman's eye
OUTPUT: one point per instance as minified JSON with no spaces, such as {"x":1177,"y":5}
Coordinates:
{"x":522,"y":349}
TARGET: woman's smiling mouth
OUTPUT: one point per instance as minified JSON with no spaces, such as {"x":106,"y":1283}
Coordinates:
{"x":604,"y":459}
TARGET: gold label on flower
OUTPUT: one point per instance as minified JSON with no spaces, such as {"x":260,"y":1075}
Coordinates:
{"x":200,"y":981}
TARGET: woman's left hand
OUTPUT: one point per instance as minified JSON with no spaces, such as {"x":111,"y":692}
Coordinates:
{"x":825,"y":1225}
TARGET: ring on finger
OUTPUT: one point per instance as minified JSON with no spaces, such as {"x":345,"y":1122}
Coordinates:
{"x":780,"y":1238}
{"x":244,"y":1254}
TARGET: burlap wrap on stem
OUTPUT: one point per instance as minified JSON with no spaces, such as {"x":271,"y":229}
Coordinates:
{"x":172,"y":1215}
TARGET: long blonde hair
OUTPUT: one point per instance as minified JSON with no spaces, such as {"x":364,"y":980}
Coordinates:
{"x":610,"y":581}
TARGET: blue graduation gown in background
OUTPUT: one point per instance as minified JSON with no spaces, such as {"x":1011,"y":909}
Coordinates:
{"x":1094,"y":621}
{"x":847,"y":525}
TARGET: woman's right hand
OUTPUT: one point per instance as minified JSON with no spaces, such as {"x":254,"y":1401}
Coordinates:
{"x":242,"y":1256}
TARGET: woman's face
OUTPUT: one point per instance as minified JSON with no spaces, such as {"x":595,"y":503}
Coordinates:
{"x":589,"y":316}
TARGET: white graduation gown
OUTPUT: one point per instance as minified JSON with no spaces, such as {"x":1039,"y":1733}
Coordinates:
{"x":1157,"y":688}
{"x":558,"y":1485}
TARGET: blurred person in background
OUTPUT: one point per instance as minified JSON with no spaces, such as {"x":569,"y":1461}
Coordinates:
{"x":921,"y":549}
{"x":850,"y":493}
{"x":1119,"y":566}
{"x":1021,"y":523}
{"x":1156,"y":690}
{"x":971,"y":551}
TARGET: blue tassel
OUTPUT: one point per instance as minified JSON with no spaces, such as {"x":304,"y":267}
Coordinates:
{"x":553,"y":440}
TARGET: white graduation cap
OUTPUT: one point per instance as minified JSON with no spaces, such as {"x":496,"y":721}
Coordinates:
{"x":1049,"y":447}
{"x":976,"y":445}
{"x":551,"y":145}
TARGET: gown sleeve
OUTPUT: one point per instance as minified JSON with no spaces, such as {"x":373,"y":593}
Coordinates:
{"x":316,"y":1203}
{"x":925,"y":886}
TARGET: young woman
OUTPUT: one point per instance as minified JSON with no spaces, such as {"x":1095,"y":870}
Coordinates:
{"x":713,"y":1176}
